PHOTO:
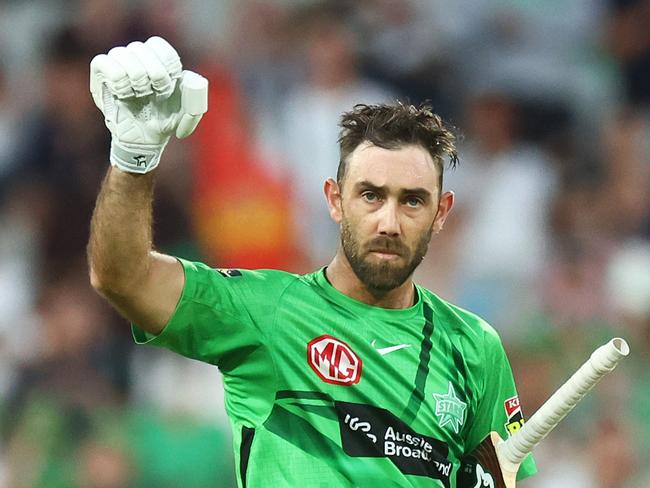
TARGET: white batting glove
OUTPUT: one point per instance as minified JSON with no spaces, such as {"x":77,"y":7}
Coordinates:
{"x":145,"y":98}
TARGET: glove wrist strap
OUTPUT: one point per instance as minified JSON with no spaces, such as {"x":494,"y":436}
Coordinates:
{"x":135,"y":159}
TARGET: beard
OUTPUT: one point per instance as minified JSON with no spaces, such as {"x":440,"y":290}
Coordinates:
{"x":386,"y":275}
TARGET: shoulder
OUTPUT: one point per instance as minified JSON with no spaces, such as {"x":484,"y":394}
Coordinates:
{"x":273,"y":274}
{"x":272,"y":280}
{"x":266,"y":275}
{"x":462,"y":323}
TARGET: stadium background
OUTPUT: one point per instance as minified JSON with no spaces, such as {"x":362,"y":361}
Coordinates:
{"x":549,"y":240}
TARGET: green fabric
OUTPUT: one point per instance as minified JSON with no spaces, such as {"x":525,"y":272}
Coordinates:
{"x":404,"y":418}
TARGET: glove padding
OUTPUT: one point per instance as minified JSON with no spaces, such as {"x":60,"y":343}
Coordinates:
{"x":145,"y":98}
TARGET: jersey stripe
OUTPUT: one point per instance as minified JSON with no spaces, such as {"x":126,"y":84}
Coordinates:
{"x":317,"y":395}
{"x":417,"y":397}
{"x":247,"y":435}
{"x":461,"y":380}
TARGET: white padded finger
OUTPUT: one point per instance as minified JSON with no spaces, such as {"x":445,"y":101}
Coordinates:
{"x":187,"y":124}
{"x":166,"y":54}
{"x":160,"y":80}
{"x":104,"y":70}
{"x":194,"y":93}
{"x":194,"y":102}
{"x":138,"y":78}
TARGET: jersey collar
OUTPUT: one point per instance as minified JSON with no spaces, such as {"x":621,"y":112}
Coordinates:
{"x":348,"y":302}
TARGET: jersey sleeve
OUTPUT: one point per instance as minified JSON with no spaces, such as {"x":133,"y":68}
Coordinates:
{"x":498,"y":408}
{"x":221,"y":315}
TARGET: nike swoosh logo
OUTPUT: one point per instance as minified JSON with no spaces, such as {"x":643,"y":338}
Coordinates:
{"x":387,"y":350}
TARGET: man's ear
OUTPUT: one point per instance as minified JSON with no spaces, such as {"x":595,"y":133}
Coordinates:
{"x":333,"y":197}
{"x":444,"y":207}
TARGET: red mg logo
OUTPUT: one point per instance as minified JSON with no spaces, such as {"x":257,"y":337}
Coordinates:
{"x":334,"y":361}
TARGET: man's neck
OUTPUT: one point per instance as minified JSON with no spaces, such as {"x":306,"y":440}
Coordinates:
{"x":342,"y":277}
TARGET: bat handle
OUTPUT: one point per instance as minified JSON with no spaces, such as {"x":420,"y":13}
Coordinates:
{"x":521,"y":443}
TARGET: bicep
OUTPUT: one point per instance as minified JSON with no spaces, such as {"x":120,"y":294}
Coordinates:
{"x":153,"y":303}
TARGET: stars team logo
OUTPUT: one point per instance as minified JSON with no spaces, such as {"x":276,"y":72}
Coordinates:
{"x":450,"y":410}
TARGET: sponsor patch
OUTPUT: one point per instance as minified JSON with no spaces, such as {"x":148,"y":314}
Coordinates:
{"x":515,"y":423}
{"x":334,"y":361}
{"x":228,"y":273}
{"x":368,"y":431}
{"x":512,"y":405}
{"x":514,"y":414}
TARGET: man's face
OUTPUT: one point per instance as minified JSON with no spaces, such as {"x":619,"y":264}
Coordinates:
{"x":388,"y":210}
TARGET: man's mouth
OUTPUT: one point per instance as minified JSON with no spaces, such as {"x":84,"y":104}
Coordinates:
{"x":385,"y":254}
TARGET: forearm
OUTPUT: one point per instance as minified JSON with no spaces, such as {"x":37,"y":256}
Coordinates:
{"x":121,"y":232}
{"x":142,"y":115}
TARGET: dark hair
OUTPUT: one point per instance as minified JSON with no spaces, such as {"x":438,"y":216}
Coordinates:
{"x":390,"y":126}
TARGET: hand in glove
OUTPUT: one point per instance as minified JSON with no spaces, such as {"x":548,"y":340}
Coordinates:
{"x":145,"y":98}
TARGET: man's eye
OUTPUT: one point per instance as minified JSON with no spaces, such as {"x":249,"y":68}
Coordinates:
{"x":413,"y":201}
{"x":369,"y":196}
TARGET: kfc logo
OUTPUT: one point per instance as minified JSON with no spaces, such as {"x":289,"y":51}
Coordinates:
{"x":512,"y":406}
{"x":515,"y":416}
{"x":334,"y":361}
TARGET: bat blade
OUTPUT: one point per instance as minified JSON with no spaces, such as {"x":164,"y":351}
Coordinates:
{"x":481,"y":469}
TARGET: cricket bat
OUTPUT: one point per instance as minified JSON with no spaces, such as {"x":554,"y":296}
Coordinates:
{"x":496,"y":467}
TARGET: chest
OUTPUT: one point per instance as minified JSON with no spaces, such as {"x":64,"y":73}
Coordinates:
{"x":406,"y":369}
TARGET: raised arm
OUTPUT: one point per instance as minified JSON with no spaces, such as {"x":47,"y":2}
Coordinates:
{"x":145,"y":98}
{"x":144,"y":286}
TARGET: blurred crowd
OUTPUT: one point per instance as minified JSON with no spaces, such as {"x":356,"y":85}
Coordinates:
{"x":549,"y":240}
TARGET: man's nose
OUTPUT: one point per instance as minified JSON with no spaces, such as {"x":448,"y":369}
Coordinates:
{"x":388,"y":223}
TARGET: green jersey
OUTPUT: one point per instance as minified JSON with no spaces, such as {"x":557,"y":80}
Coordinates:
{"x":323,"y":390}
